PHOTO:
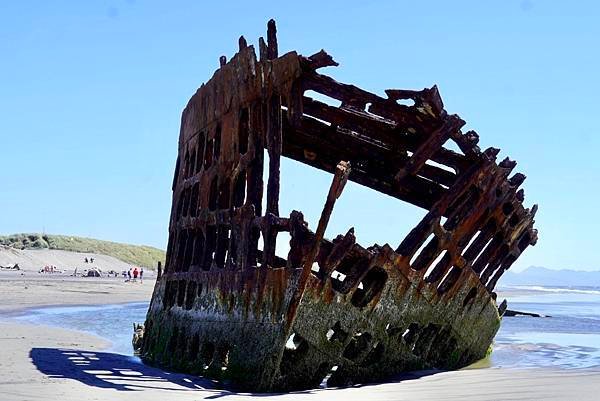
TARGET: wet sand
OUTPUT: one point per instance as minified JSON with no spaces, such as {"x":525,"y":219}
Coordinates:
{"x":44,"y":363}
{"x":31,"y":289}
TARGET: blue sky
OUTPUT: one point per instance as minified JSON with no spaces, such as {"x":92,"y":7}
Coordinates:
{"x":91,"y":95}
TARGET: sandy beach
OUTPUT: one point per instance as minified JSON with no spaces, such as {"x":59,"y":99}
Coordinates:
{"x":27,"y":288}
{"x":32,"y":289}
{"x":47,"y":363}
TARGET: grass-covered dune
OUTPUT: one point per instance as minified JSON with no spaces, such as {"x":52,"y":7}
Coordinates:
{"x":140,"y":255}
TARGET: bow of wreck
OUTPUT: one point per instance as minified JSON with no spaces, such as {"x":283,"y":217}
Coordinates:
{"x":228,"y":307}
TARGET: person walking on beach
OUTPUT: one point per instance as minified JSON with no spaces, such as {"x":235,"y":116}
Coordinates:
{"x":135,"y":273}
{"x":141,"y":274}
{"x":129,"y":275}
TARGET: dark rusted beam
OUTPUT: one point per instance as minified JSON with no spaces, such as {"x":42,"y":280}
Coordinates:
{"x":340,"y":178}
{"x":273,"y":134}
{"x":416,"y":190}
{"x":377,"y":129}
{"x":274,"y":147}
{"x":319,"y":60}
{"x":430,"y":146}
{"x":272,"y":46}
{"x":344,"y":144}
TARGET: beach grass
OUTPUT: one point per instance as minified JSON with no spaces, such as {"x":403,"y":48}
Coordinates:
{"x":141,"y":255}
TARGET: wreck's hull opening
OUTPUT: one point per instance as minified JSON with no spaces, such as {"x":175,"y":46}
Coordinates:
{"x":226,"y":309}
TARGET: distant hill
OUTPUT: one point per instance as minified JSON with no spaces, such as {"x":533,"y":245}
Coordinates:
{"x":542,"y":276}
{"x":140,"y":255}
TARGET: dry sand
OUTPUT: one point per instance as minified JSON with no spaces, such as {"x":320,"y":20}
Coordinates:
{"x":35,"y":259}
{"x":28,"y":288}
{"x":19,"y":291}
{"x":43,"y":363}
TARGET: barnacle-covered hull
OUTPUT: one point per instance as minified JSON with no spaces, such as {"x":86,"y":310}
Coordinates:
{"x":331,"y":310}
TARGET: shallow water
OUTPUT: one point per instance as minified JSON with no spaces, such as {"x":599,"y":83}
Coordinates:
{"x":112,"y":322}
{"x":569,"y":339}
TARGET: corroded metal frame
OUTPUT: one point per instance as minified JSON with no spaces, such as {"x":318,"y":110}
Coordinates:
{"x":331,"y":309}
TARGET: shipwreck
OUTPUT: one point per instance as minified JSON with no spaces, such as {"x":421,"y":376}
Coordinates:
{"x":332,"y":310}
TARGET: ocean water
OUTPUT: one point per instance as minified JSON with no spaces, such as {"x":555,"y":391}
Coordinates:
{"x":568,"y":339}
{"x":112,"y":322}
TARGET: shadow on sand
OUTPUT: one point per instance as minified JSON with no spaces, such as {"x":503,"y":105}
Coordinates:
{"x":114,"y":371}
{"x":127,"y":373}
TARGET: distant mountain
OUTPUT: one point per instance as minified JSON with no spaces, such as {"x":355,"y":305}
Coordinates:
{"x":139,"y":255}
{"x":542,"y":276}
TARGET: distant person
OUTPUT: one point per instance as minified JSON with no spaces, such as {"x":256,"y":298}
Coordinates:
{"x":129,"y":275}
{"x":86,"y":260}
{"x":91,"y":260}
{"x":135,"y":273}
{"x":141,"y":274}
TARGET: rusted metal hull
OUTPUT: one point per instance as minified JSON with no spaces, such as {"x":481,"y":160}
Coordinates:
{"x":331,"y":309}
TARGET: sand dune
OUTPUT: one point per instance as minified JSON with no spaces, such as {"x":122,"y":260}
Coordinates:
{"x":27,"y":287}
{"x":33,"y":260}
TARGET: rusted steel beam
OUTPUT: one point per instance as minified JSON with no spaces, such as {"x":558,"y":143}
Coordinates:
{"x":272,"y":46}
{"x":430,"y":146}
{"x":335,"y":141}
{"x":274,"y":150}
{"x":318,"y":60}
{"x":340,"y":178}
